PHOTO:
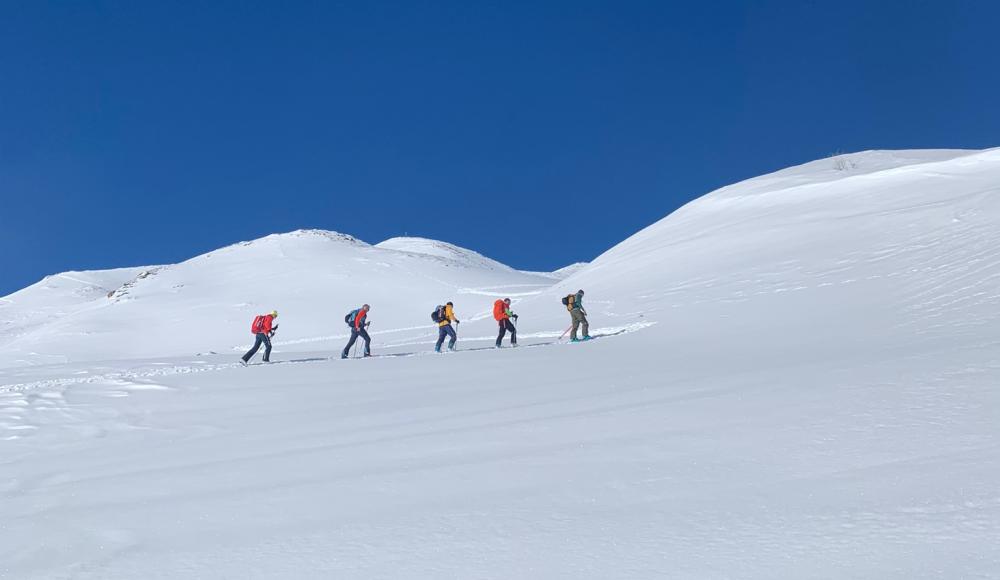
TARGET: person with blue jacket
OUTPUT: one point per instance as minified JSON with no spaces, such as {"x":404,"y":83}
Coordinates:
{"x":356,"y":320}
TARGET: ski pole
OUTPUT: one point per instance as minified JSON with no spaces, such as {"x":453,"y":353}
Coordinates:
{"x":570,"y":327}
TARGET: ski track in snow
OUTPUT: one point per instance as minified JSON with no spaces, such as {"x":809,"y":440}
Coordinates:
{"x":19,"y":401}
{"x":162,"y":370}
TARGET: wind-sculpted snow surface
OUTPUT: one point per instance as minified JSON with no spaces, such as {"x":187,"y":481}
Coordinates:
{"x":903,"y":255}
{"x":795,"y":377}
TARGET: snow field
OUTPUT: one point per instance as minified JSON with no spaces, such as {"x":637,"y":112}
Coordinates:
{"x":797,"y":379}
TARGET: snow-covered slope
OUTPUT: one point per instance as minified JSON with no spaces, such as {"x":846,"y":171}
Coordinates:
{"x":795,"y":377}
{"x":567,"y":271}
{"x":449,"y":253}
{"x":57,"y":297}
{"x":836,"y":168}
{"x":904,"y":245}
{"x":205,"y":304}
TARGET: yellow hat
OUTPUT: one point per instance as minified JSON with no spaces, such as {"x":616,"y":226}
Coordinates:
{"x":274,"y":313}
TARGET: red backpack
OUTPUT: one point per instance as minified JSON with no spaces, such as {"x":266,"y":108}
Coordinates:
{"x":257,"y":326}
{"x":498,"y":309}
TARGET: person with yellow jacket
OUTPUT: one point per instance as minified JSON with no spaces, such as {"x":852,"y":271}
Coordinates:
{"x":444,"y":316}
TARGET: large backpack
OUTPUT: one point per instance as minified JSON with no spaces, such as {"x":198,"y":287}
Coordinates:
{"x":568,"y":301}
{"x":257,"y":326}
{"x":351,"y":316}
{"x":438,"y":314}
{"x":499,"y":307}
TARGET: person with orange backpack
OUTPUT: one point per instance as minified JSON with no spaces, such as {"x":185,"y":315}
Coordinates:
{"x":356,"y":320}
{"x":503,"y":315}
{"x":263,"y":328}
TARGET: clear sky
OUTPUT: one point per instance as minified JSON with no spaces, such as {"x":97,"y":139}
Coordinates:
{"x":538,"y":133}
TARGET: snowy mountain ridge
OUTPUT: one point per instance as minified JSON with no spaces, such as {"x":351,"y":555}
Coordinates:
{"x":863,"y":164}
{"x":793,"y":377}
{"x":323,"y":264}
{"x":309,"y":275}
{"x":442,"y":250}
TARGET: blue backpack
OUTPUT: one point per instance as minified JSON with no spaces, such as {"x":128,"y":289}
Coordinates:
{"x":349,"y":319}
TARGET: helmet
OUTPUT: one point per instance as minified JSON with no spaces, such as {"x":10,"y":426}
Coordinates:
{"x":506,"y":300}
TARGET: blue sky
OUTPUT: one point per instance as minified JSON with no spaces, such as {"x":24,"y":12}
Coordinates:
{"x":538,"y":133}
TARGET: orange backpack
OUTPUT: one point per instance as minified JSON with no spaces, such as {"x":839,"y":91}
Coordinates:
{"x":499,"y":308}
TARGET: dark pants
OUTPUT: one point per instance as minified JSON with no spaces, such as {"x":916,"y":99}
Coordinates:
{"x":444,"y":331}
{"x":505,"y":325}
{"x":261,"y":338}
{"x":355,"y":333}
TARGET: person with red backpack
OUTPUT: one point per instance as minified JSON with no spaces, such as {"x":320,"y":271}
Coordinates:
{"x":263,"y":328}
{"x":503,"y":314}
{"x":356,"y":320}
